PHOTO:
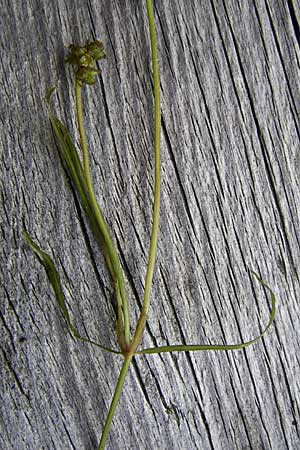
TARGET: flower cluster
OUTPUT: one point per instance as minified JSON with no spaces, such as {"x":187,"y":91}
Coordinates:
{"x":83,"y":59}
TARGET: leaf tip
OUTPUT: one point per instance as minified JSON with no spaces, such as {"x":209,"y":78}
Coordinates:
{"x":49,"y":94}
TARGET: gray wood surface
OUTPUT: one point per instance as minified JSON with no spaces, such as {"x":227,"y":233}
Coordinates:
{"x":230,"y":202}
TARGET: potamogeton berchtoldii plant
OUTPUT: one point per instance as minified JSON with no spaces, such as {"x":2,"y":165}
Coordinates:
{"x":83,"y":59}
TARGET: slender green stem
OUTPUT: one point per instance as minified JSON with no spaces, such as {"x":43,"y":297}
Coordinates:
{"x":216,"y":347}
{"x":115,"y":400}
{"x":83,"y":138}
{"x":156,"y":205}
{"x":113,"y":257}
{"x":157,"y":126}
{"x":106,"y":349}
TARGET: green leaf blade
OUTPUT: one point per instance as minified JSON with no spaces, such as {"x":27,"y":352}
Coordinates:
{"x":73,"y":165}
{"x":75,"y":170}
{"x":217,"y":347}
{"x":54,"y":279}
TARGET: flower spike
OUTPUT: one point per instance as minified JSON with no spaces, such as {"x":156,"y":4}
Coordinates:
{"x":83,"y":58}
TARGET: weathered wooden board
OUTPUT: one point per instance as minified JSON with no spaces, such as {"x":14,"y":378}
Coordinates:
{"x":231,"y":201}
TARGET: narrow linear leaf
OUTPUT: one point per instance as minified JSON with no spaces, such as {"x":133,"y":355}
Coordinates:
{"x":74,"y":168}
{"x":49,"y":94}
{"x":54,"y":280}
{"x":68,"y":152}
{"x":72,"y":164}
{"x":192,"y":348}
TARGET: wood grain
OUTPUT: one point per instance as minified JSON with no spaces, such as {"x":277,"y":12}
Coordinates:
{"x":231,"y":201}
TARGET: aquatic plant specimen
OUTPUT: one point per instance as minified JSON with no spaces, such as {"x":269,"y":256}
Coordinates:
{"x":83,"y":59}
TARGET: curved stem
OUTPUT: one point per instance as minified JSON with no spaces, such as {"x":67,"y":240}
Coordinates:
{"x":113,"y":257}
{"x":115,"y":400}
{"x":192,"y":348}
{"x":156,"y":205}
